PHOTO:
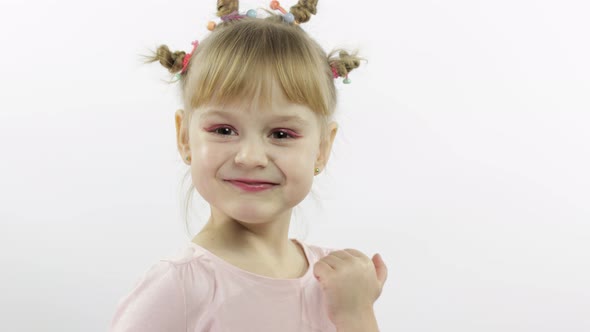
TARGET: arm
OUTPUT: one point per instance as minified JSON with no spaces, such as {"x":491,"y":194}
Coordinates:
{"x":363,"y":322}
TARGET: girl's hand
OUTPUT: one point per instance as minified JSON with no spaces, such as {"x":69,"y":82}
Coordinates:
{"x":351,"y":282}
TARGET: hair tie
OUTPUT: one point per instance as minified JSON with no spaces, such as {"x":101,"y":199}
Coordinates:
{"x":336,"y":75}
{"x":334,"y":72}
{"x":232,"y":16}
{"x":288,"y":17}
{"x":235,"y":15}
{"x":187,"y":57}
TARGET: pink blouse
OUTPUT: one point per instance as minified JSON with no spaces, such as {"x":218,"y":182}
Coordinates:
{"x":198,"y":291}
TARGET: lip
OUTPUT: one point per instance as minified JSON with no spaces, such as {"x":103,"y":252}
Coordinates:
{"x":251,"y":185}
{"x":251,"y":181}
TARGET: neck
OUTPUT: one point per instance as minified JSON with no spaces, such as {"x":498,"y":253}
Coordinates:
{"x":266,"y":239}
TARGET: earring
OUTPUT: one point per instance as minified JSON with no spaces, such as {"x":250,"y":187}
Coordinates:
{"x":317,"y":170}
{"x":188,"y":158}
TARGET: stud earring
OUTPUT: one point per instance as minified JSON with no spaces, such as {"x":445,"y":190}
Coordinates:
{"x":317,"y":170}
{"x":188,"y":158}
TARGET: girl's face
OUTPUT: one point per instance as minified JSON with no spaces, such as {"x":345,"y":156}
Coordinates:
{"x":279,"y":146}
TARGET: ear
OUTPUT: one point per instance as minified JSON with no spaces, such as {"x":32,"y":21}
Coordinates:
{"x":326,"y":146}
{"x":182,"y":139}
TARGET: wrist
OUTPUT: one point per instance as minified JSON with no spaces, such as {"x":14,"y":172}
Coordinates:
{"x":364,"y":321}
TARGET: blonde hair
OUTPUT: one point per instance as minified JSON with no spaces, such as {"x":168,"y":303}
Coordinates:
{"x":242,"y":58}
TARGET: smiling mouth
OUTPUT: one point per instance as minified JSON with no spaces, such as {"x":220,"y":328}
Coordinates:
{"x":252,"y":186}
{"x":251,"y":183}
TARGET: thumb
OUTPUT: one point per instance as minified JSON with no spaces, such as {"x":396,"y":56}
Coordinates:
{"x":380,"y":268}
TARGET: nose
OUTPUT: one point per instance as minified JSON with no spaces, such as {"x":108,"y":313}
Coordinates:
{"x":251,"y":153}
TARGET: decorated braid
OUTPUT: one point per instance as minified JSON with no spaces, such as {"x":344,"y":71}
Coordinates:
{"x":343,"y":64}
{"x":303,"y":10}
{"x":173,"y":61}
{"x":226,"y":7}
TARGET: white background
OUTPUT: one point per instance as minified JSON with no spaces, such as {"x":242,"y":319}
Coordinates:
{"x":462,"y":157}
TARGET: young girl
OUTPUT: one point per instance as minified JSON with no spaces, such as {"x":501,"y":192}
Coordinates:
{"x":259,"y":96}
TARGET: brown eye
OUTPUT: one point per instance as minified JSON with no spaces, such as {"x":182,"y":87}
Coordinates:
{"x":221,"y":130}
{"x":281,"y":134}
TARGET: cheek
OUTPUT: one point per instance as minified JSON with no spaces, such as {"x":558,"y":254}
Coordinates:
{"x":299,"y":178}
{"x":206,"y":159}
{"x":299,"y":166}
{"x":302,"y":155}
{"x":207,"y":154}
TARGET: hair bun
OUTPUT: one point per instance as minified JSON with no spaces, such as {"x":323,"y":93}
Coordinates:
{"x":344,"y":63}
{"x":171,"y":61}
{"x":226,"y":7}
{"x":304,"y":9}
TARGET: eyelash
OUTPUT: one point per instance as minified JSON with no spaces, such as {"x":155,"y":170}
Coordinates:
{"x":290,"y":134}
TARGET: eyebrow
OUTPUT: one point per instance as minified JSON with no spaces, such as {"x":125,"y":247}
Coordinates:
{"x":277,"y":118}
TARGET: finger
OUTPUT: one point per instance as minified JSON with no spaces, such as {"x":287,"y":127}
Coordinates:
{"x":321,"y":270}
{"x":357,"y":253}
{"x":380,"y":269}
{"x":333,"y":261}
{"x":343,"y":254}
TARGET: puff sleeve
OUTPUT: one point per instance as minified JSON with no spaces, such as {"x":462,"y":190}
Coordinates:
{"x":157,"y":303}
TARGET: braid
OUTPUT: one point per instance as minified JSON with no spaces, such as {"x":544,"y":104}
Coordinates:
{"x":344,"y":63}
{"x":304,"y":9}
{"x":226,"y":7}
{"x":172,"y":61}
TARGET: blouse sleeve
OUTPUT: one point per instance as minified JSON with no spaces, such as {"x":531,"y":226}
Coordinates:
{"x":157,"y":303}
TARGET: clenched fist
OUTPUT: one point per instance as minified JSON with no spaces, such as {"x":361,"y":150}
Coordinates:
{"x":351,"y":282}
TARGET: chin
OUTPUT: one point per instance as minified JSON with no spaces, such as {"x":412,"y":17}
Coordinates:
{"x":252,"y":215}
{"x":254,"y":212}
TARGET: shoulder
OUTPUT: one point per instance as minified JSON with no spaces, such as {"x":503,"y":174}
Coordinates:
{"x":161,"y":298}
{"x":156,"y":303}
{"x":317,"y":251}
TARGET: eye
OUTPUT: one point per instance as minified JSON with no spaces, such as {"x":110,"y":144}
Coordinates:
{"x":222,"y":130}
{"x":283,"y":134}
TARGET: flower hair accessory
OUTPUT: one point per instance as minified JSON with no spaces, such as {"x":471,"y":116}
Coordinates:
{"x":187,"y":57}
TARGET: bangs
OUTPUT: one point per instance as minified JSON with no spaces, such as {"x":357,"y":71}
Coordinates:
{"x":244,"y":61}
